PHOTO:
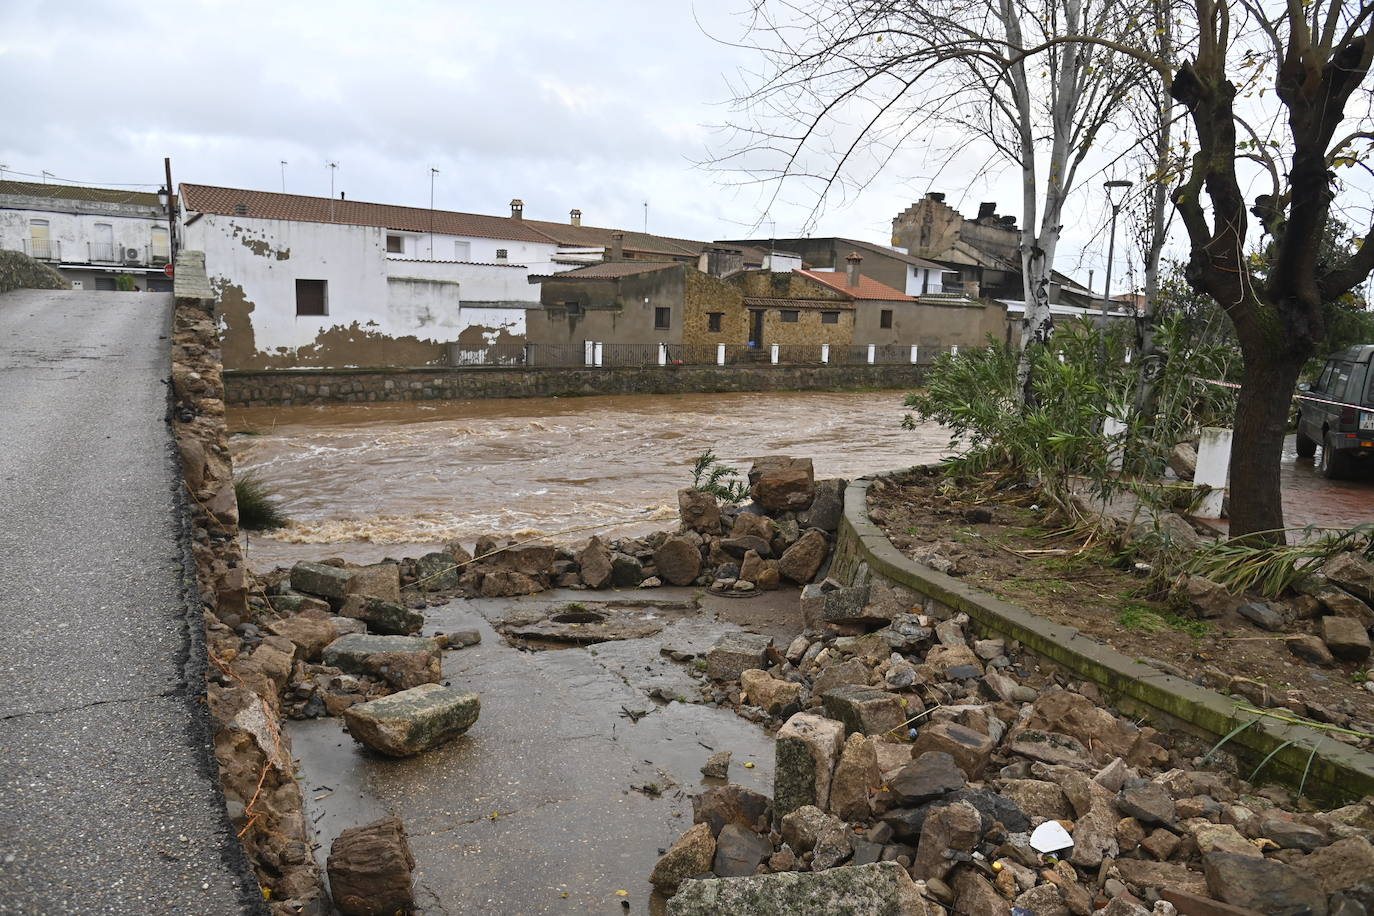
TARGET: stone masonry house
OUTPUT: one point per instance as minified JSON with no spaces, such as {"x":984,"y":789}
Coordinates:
{"x":897,"y":269}
{"x":792,"y":309}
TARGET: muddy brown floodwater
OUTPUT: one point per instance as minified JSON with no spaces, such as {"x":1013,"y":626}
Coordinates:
{"x":371,"y":481}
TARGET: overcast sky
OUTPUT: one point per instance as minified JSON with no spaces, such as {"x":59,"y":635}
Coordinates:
{"x":599,"y":105}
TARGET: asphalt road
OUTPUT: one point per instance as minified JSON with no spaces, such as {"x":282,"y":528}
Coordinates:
{"x":108,"y":803}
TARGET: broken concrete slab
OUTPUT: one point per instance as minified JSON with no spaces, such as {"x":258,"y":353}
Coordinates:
{"x":383,"y":616}
{"x":402,"y":661}
{"x":414,"y":720}
{"x":320,"y":579}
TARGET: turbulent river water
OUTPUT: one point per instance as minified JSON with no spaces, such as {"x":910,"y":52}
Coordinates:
{"x":367,"y":481}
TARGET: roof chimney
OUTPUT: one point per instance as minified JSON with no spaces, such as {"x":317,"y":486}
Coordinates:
{"x":341,"y":195}
{"x":852,"y":267}
{"x":617,"y":246}
{"x":987,"y":209}
{"x":575,"y":217}
{"x":517,"y":209}
{"x":938,"y":196}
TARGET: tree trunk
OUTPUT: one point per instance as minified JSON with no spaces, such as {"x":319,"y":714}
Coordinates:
{"x":1262,"y":410}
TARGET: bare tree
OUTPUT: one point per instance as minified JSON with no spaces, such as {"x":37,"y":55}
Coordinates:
{"x":1318,"y":54}
{"x":849,"y":83}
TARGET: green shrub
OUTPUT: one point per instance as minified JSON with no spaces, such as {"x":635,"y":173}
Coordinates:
{"x":257,"y":504}
{"x":710,"y":475}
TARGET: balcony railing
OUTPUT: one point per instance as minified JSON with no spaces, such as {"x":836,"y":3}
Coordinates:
{"x":43,"y":249}
{"x":101,"y":251}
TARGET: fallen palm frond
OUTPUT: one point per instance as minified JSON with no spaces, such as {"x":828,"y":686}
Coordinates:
{"x":1270,"y":569}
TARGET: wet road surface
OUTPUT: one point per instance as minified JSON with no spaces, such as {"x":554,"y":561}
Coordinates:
{"x":108,"y":799}
{"x":538,"y":800}
{"x":364,"y":482}
{"x":1311,"y":499}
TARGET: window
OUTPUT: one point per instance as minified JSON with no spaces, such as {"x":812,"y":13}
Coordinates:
{"x":572,"y":308}
{"x":501,"y":254}
{"x":310,"y":297}
{"x":462,"y":251}
{"x":1324,"y":382}
{"x":162,"y":251}
{"x":395,"y":244}
{"x":713,"y":320}
{"x":663,"y":318}
{"x":102,"y":248}
{"x":40,"y":245}
{"x":885,"y":318}
{"x":1342,"y":376}
{"x":830,"y":317}
{"x":790,"y":316}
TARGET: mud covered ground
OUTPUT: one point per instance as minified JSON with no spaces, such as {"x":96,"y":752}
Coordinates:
{"x":1014,"y":551}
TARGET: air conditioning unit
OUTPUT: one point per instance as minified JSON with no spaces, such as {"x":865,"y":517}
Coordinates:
{"x":131,"y":256}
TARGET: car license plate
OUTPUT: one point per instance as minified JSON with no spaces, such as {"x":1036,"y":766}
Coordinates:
{"x":1366,"y":420}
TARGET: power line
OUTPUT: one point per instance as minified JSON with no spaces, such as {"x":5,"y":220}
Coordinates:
{"x":98,"y":184}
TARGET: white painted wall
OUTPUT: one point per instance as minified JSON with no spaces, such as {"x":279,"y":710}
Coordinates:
{"x":389,"y":295}
{"x":417,"y":245}
{"x":921,"y":280}
{"x":73,"y":235}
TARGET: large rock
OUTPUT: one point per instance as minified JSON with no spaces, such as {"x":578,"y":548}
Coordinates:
{"x":691,"y":855}
{"x":739,"y":851}
{"x":388,"y":618}
{"x":1346,"y":637}
{"x":1208,"y":599}
{"x":437,"y":572}
{"x":970,"y":749}
{"x":767,"y":692}
{"x":856,"y":777}
{"x":843,"y":605}
{"x":734,"y":653}
{"x":595,"y":562}
{"x":782,"y":484}
{"x":319,"y":579}
{"x":878,"y":889}
{"x":741,"y":547}
{"x":930,"y":776}
{"x":533,"y":560}
{"x":975,"y":894}
{"x":853,"y":671}
{"x":678,"y":561}
{"x":800,"y":562}
{"x":1341,"y":603}
{"x":807,"y":827}
{"x":369,"y":870}
{"x":699,"y":511}
{"x":954,"y":828}
{"x":864,"y":709}
{"x":310,"y":635}
{"x":1073,"y":714}
{"x":1182,"y":460}
{"x":1265,"y":885}
{"x":1038,"y":798}
{"x":401,"y":661}
{"x":626,"y":571}
{"x":807,"y":749}
{"x":414,"y":720}
{"x":507,"y":583}
{"x":1352,"y":572}
{"x":732,"y":804}
{"x":1342,"y":865}
{"x":748,"y":524}
{"x":827,"y":506}
{"x":380,"y":580}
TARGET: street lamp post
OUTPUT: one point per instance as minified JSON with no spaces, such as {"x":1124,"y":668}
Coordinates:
{"x":1111,"y":187}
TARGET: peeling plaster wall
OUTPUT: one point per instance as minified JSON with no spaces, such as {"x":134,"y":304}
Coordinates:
{"x":381,"y":311}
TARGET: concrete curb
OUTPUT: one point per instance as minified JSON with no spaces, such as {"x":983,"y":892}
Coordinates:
{"x":1335,"y":772}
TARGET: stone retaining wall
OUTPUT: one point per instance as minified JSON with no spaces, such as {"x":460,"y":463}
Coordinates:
{"x":285,"y":387}
{"x":1335,"y":773}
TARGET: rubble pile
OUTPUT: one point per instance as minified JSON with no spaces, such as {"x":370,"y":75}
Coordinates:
{"x":981,"y":782}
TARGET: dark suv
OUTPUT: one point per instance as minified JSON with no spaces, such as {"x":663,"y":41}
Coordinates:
{"x":1344,"y":431}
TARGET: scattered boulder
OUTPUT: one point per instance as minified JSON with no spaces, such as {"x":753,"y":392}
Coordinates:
{"x":1346,"y":637}
{"x":1340,"y":866}
{"x":1263,"y":615}
{"x":319,"y":579}
{"x":380,"y":580}
{"x":1207,"y":598}
{"x":626,"y":571}
{"x":691,"y":855}
{"x":801,"y":561}
{"x":1150,"y":804}
{"x":931,"y":775}
{"x":855,"y":778}
{"x":970,"y":749}
{"x":881,"y":889}
{"x":413,"y":721}
{"x":769,"y":693}
{"x":717,"y":766}
{"x":1341,"y":603}
{"x":594,"y":560}
{"x":853,"y":671}
{"x":507,"y":583}
{"x":401,"y":661}
{"x":308,"y":634}
{"x":805,"y":828}
{"x":383,"y":616}
{"x":782,"y":484}
{"x":678,"y":561}
{"x":954,"y":828}
{"x":437,"y":572}
{"x":807,"y":749}
{"x":732,"y":804}
{"x":370,"y":869}
{"x":699,"y":511}
{"x":864,"y":710}
{"x":1352,"y":572}
{"x":739,"y":851}
{"x":1182,"y":460}
{"x":1310,"y":649}
{"x":748,"y":524}
{"x":735,"y":653}
{"x":827,"y":506}
{"x":1266,"y":885}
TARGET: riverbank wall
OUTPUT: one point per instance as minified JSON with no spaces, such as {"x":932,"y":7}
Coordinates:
{"x":288,"y":387}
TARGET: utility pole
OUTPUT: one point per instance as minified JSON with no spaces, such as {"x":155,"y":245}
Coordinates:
{"x":283,"y":177}
{"x":171,"y":211}
{"x":1111,"y":245}
{"x":333,"y":166}
{"x":432,"y":172}
{"x":646,"y":217}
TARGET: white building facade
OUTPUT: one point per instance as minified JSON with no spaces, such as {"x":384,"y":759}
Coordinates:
{"x":97,"y":238}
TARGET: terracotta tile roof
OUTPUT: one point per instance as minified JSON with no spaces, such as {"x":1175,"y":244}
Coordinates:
{"x":824,"y":305}
{"x":610,"y":270}
{"x":73,"y":192}
{"x":597,"y":237}
{"x":271,"y":205}
{"x":868,"y":288}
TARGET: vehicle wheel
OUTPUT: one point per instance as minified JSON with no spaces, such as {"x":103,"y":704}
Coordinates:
{"x":1307,"y":447}
{"x":1335,"y":464}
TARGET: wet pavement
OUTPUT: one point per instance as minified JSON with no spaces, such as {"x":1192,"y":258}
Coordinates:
{"x":1311,"y":499}
{"x":558,"y":799}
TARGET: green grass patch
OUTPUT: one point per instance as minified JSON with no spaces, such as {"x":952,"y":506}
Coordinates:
{"x":257,"y":506}
{"x":1144,"y":619}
